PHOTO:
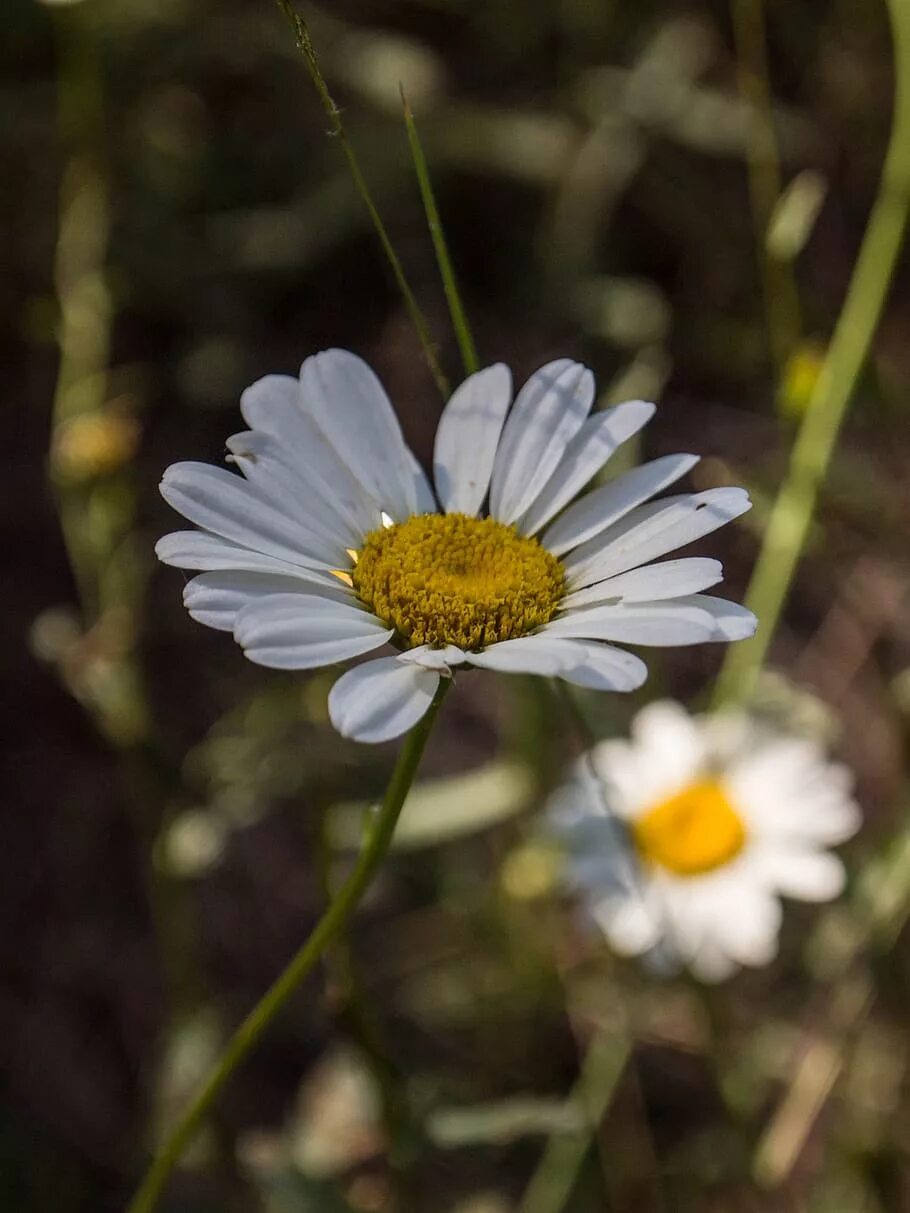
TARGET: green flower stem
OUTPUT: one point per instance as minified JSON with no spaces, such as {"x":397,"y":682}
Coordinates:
{"x":792,"y":512}
{"x":437,"y":233}
{"x":326,"y":931}
{"x":308,"y":51}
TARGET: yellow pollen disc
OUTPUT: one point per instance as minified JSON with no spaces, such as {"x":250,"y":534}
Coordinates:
{"x":693,"y":832}
{"x":443,"y":579}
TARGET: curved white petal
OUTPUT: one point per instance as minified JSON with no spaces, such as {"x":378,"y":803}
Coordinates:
{"x":652,"y":530}
{"x":350,"y":406}
{"x":467,"y":438}
{"x":381,"y":699}
{"x":585,"y":455}
{"x":300,"y":631}
{"x":731,"y":620}
{"x":548,"y":412}
{"x":225,"y":504}
{"x":273,"y":406}
{"x":605,"y":506}
{"x":435,"y":659}
{"x":604,"y":668}
{"x":653,"y":583}
{"x":591,"y":665}
{"x":651,"y":623}
{"x":216,"y":599}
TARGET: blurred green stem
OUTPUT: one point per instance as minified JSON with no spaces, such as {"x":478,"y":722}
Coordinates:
{"x":557,"y":1172}
{"x":80,"y":278}
{"x":778,"y":282}
{"x":326,"y":931}
{"x":792,"y":512}
{"x":437,"y":233}
{"x":96,"y":514}
{"x":308,"y":51}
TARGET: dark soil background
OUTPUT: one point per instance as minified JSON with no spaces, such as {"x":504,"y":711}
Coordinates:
{"x":589,"y":160}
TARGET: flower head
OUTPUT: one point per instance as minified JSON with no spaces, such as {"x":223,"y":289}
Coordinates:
{"x":332,"y":544}
{"x":682,"y":840}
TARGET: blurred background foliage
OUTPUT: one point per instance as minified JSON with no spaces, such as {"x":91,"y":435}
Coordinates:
{"x":673,"y":191}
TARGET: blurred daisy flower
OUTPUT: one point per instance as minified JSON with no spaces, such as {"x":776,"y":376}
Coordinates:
{"x":333,"y":544}
{"x":682,"y":840}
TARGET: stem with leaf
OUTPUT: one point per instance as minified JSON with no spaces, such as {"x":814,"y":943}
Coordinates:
{"x":247,"y":1036}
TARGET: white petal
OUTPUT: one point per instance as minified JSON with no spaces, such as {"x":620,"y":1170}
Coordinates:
{"x":657,"y":623}
{"x":381,"y":699}
{"x":200,"y":550}
{"x":654,"y":582}
{"x":652,"y":530}
{"x":591,"y":665}
{"x":426,"y":502}
{"x":270,"y":466}
{"x":603,"y":668}
{"x":631,"y":926}
{"x":300,"y":631}
{"x":467,"y":438}
{"x":215,"y":599}
{"x":607,"y":504}
{"x":273,"y":406}
{"x":350,"y":406}
{"x":665,"y":728}
{"x":804,"y":875}
{"x":747,"y":924}
{"x":435,"y":659}
{"x":585,"y":455}
{"x":225,"y":504}
{"x":731,"y":621}
{"x":711,"y":964}
{"x":548,"y":412}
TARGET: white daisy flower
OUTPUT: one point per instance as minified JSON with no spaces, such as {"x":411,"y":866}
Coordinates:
{"x":682,"y":840}
{"x":332,"y":543}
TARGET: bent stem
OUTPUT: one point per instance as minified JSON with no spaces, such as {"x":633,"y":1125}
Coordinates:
{"x":326,"y":931}
{"x":792,"y":513}
{"x":308,"y":51}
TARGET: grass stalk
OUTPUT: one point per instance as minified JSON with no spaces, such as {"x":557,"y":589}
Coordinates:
{"x":463,"y":334}
{"x":308,"y":51}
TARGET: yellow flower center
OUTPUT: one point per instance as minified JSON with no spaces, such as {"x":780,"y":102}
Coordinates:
{"x":443,"y":579}
{"x":693,"y":832}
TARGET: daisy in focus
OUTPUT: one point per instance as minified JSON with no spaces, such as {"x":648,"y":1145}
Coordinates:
{"x":333,"y":544}
{"x":682,"y":841}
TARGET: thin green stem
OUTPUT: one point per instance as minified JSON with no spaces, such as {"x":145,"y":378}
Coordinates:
{"x":792,"y":512}
{"x":247,"y":1036}
{"x":308,"y":51}
{"x":460,"y":323}
{"x":763,"y":159}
